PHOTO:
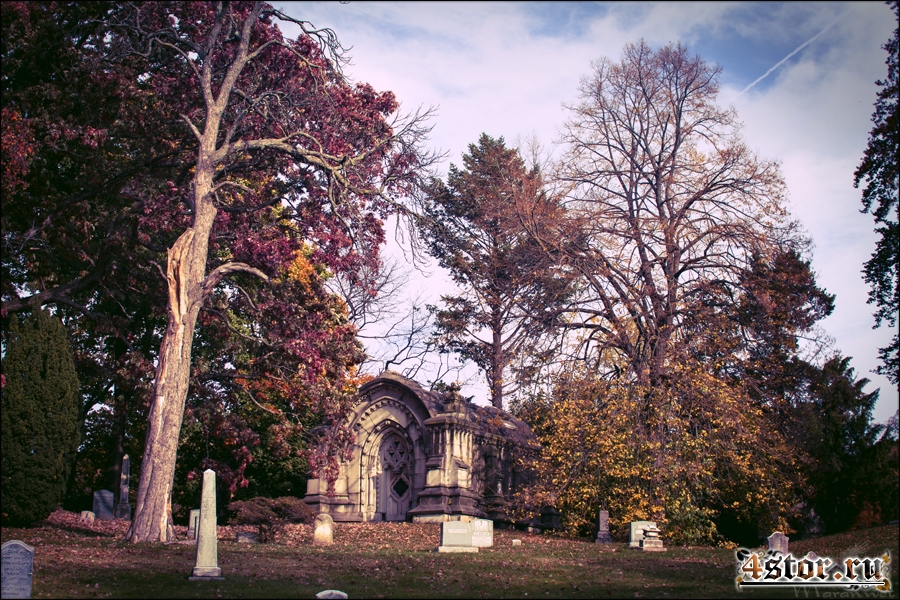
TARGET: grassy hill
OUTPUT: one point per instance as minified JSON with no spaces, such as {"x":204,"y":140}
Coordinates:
{"x":396,"y":560}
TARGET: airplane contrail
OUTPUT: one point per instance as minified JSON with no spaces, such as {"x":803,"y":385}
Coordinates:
{"x":786,"y":58}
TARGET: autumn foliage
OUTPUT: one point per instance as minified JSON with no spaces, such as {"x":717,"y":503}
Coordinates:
{"x":693,"y":339}
{"x":179,"y":181}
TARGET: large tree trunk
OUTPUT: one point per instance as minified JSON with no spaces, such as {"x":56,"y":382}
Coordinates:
{"x":185,"y":275}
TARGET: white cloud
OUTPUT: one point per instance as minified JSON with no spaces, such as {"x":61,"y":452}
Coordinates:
{"x":506,"y":68}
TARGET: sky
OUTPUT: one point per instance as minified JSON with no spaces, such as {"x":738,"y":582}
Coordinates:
{"x":801,"y":76}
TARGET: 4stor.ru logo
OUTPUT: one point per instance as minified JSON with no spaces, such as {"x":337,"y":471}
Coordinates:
{"x":774,"y":569}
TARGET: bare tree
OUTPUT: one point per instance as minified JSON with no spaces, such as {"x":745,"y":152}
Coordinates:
{"x":661,"y":198}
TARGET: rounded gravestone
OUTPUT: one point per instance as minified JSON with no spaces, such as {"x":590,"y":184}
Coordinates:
{"x":324,"y":530}
{"x":17,"y":564}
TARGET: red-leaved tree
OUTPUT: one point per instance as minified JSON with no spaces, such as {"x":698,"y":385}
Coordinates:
{"x":254,"y":166}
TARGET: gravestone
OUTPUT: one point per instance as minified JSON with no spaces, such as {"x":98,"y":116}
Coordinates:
{"x":778,"y":542}
{"x":103,"y":505}
{"x":123,"y":508}
{"x":193,"y":523}
{"x":456,"y":536}
{"x":637,"y":532}
{"x":482,"y":533}
{"x":323,"y":533}
{"x":651,"y":541}
{"x":603,"y":536}
{"x":87,"y":517}
{"x":331,"y":595}
{"x":517,"y":542}
{"x":16,"y":569}
{"x":207,"y":566}
{"x":246,"y":537}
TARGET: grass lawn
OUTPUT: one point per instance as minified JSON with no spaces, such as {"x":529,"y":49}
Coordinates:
{"x":397,"y":560}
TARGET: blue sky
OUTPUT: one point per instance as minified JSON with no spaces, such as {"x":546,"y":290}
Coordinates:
{"x":506,"y":69}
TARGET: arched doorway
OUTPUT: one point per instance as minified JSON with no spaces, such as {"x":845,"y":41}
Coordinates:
{"x":394,"y":495}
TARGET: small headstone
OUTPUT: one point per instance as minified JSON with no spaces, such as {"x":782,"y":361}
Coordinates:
{"x":778,"y":542}
{"x":193,"y":523}
{"x":603,"y":535}
{"x":324,"y":530}
{"x":516,"y":543}
{"x":103,"y":505}
{"x":87,"y":517}
{"x":123,"y":508}
{"x":247,"y":537}
{"x":331,"y":595}
{"x":207,"y":566}
{"x":16,"y":568}
{"x":637,"y":532}
{"x":456,"y":536}
{"x":482,"y":533}
{"x":651,"y":541}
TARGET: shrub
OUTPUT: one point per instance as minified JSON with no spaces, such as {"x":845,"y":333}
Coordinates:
{"x":270,"y":514}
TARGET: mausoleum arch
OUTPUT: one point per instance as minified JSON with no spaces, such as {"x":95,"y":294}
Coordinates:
{"x":388,"y":460}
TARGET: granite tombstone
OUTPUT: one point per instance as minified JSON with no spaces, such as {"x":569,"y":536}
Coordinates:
{"x":103,"y":505}
{"x":778,"y":542}
{"x":456,"y":536}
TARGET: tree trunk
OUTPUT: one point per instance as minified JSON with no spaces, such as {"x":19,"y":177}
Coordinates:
{"x":497,"y":365}
{"x":185,"y":274}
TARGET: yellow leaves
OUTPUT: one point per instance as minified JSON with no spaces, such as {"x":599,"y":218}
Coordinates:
{"x":664,"y":455}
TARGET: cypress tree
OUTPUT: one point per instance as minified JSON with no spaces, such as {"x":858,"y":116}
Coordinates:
{"x":40,"y":419}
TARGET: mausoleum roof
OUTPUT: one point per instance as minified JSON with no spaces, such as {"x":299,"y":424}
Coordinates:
{"x":487,"y":420}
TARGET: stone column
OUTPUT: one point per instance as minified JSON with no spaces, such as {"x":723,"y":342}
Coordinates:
{"x":123,"y":508}
{"x":207,"y":541}
{"x":603,"y":536}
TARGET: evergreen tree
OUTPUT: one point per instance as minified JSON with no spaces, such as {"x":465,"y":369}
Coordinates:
{"x":510,"y":291}
{"x":881,"y":176}
{"x":40,"y":418}
{"x":847,"y":469}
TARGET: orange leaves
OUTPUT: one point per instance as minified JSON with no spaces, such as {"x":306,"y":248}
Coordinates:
{"x":301,"y":271}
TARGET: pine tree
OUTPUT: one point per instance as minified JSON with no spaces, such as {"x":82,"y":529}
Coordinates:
{"x":510,"y":291}
{"x":40,"y":418}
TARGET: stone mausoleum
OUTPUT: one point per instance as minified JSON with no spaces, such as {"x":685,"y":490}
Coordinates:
{"x":420,"y":455}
